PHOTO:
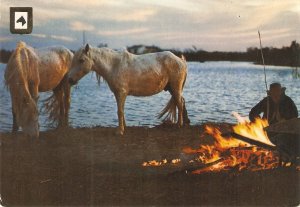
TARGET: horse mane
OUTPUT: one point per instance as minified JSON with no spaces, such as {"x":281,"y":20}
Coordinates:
{"x":20,"y":70}
{"x":99,"y":52}
{"x":98,"y":77}
{"x":126,"y":57}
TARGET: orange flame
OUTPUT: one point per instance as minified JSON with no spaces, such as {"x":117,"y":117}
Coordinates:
{"x":254,"y":130}
{"x":230,"y":153}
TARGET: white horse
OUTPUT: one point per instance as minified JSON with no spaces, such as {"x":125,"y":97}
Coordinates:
{"x":136,"y":75}
{"x":30,"y":71}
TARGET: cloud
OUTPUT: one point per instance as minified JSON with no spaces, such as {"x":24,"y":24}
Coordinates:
{"x":63,"y":38}
{"x":6,"y":39}
{"x":42,"y":15}
{"x":38,"y":35}
{"x":56,"y":37}
{"x":123,"y":32}
{"x":80,"y":26}
{"x":136,"y":15}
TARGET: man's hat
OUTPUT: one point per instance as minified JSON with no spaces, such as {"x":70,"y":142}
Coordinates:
{"x":276,"y":84}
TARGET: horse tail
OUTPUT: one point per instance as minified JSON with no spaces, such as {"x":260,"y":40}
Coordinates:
{"x":51,"y":107}
{"x":170,"y":110}
{"x":58,"y":104}
{"x":183,"y":67}
{"x":183,"y":58}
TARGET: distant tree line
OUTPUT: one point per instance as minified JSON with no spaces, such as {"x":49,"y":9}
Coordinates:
{"x":4,"y":55}
{"x":285,"y":56}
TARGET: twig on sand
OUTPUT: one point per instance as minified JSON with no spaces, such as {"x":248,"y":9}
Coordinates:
{"x":45,"y":181}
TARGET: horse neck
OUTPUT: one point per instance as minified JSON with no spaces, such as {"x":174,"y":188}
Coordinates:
{"x":104,"y":61}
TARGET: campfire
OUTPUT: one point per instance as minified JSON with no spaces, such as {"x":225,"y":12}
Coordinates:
{"x":246,"y":147}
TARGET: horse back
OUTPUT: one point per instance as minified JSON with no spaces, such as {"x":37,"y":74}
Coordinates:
{"x":54,"y":62}
{"x":160,"y":62}
{"x":55,"y":55}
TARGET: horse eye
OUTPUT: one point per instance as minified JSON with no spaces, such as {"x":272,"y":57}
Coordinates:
{"x":81,"y":60}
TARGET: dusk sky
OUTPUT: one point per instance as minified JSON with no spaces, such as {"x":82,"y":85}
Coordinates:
{"x":210,"y":25}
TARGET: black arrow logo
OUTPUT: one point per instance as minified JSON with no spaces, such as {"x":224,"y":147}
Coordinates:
{"x":22,"y":20}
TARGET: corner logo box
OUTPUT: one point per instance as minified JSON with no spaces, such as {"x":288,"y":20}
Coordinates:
{"x":21,"y":20}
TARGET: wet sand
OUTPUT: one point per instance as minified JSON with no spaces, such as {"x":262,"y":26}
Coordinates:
{"x":93,"y":166}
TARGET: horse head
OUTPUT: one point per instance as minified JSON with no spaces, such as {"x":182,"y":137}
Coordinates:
{"x":28,"y":117}
{"x":81,"y":65}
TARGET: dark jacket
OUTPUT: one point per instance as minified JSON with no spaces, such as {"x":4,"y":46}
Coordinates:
{"x":286,"y":107}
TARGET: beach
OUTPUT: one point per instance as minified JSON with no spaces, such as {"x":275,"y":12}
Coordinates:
{"x":93,"y":166}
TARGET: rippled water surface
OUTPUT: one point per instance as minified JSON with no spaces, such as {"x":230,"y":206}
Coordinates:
{"x":213,"y":90}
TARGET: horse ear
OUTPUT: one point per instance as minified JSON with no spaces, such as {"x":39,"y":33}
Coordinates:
{"x":87,"y":48}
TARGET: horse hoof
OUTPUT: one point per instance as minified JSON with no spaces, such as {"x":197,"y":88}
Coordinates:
{"x":186,"y":124}
{"x":120,"y":133}
{"x":179,"y":126}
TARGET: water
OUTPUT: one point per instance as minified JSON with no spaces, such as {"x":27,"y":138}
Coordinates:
{"x":213,"y":90}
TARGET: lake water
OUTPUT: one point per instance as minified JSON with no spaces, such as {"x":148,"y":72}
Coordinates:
{"x":212,"y":91}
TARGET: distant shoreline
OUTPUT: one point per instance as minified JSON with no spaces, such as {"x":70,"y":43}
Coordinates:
{"x":285,"y":56}
{"x":255,"y":63}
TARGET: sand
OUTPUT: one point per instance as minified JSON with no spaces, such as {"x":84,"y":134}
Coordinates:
{"x":93,"y":166}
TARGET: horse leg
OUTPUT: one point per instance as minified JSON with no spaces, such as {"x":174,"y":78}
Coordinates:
{"x":179,"y":102}
{"x":15,"y":127}
{"x":124,"y":122}
{"x":176,"y":91}
{"x":186,"y":120}
{"x":59,"y":97}
{"x":61,"y":110}
{"x":120,"y":98}
{"x":67,"y":103}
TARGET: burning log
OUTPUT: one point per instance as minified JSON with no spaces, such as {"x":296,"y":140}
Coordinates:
{"x":249,"y":140}
{"x":239,"y":158}
{"x":291,"y":126}
{"x":194,"y":167}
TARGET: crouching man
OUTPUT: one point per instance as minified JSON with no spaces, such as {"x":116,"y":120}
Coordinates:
{"x":278,"y":107}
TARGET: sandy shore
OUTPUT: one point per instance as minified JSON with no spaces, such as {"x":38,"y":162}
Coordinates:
{"x":93,"y":166}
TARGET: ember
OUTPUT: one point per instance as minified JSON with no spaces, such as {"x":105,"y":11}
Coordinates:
{"x":160,"y":163}
{"x":155,"y":163}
